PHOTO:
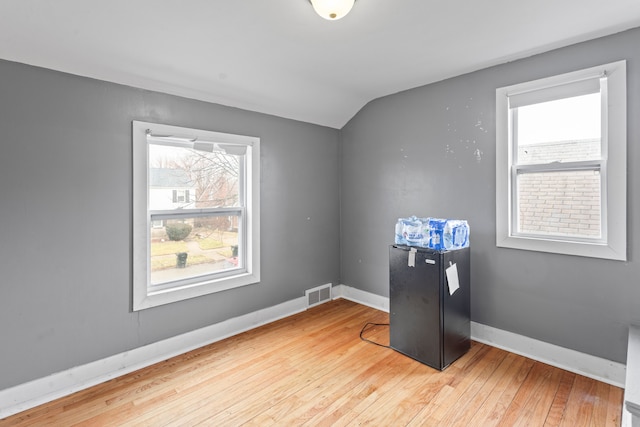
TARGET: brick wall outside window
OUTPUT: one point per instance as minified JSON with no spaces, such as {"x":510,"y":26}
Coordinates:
{"x":563,"y":203}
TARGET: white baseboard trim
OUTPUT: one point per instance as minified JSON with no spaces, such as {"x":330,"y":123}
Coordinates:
{"x":574,"y":361}
{"x":584,"y":364}
{"x":361,"y":297}
{"x":33,"y":393}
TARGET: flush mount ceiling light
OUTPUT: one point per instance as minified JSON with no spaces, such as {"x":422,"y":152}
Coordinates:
{"x":332,"y":9}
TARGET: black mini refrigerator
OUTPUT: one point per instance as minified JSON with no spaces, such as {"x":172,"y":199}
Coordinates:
{"x":429,"y":310}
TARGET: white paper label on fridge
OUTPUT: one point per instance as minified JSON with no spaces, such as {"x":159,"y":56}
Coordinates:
{"x":412,"y":257}
{"x":452,"y":278}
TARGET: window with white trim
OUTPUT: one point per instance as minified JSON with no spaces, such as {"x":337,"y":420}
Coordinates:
{"x":561,"y":163}
{"x":196,"y":213}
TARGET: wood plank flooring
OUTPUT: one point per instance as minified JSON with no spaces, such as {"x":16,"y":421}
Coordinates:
{"x":312,"y":369}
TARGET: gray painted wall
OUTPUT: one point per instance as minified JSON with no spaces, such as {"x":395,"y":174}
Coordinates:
{"x":430,"y":151}
{"x":65,"y":210}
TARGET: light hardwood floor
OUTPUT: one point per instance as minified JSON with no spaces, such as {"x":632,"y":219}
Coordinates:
{"x":313,"y":369}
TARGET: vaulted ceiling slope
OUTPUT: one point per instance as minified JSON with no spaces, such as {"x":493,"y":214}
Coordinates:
{"x":279,"y":57}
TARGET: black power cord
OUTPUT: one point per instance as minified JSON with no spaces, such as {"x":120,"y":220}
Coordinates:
{"x":368,"y":340}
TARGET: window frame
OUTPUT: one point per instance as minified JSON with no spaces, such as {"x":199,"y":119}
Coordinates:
{"x":144,"y":296}
{"x":612,"y":165}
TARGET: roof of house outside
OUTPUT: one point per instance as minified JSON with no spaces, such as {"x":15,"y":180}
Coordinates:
{"x":570,"y":150}
{"x":169,"y":178}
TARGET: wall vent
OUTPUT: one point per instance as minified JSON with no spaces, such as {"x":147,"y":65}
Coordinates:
{"x":318,"y":295}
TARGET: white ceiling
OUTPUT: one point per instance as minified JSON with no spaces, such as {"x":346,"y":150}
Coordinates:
{"x":279,"y":57}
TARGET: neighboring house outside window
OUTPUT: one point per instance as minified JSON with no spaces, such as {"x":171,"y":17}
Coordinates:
{"x":168,"y":189}
{"x":562,"y":204}
{"x":196,"y":213}
{"x":561,"y":164}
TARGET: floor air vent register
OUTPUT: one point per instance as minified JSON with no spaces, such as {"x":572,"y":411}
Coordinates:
{"x":318,"y":295}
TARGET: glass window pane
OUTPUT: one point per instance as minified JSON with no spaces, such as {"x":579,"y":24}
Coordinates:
{"x":193,"y":247}
{"x":565,"y":130}
{"x":187,"y":178}
{"x":560,"y":204}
